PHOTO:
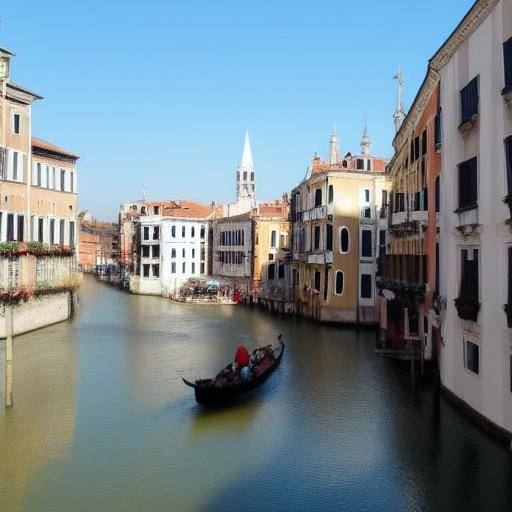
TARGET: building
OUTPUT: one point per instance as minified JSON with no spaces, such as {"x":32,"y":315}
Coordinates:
{"x":172,"y":246}
{"x":38,"y":217}
{"x":335,"y":235}
{"x":408,"y":272}
{"x":98,"y":245}
{"x":475,"y":72}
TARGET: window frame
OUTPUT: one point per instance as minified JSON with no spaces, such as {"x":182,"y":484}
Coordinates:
{"x":335,"y":287}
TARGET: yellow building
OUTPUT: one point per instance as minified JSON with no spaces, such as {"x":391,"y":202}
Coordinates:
{"x":338,"y":233}
{"x":38,"y":183}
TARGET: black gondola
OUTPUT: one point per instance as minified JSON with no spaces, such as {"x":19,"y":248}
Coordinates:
{"x":209,"y":392}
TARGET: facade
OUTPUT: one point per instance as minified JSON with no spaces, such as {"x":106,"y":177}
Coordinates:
{"x":172,"y":246}
{"x":38,"y":181}
{"x":335,"y":217}
{"x":408,"y":276}
{"x":98,"y":244}
{"x":475,"y":69}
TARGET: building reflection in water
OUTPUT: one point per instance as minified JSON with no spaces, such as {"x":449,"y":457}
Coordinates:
{"x":40,"y":427}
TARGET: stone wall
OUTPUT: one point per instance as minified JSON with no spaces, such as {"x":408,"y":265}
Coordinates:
{"x":37,"y":313}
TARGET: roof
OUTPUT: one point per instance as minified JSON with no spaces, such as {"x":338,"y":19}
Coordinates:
{"x":20,"y":88}
{"x":47,"y":146}
{"x":187,"y":208}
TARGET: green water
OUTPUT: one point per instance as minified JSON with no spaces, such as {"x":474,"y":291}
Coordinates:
{"x":102,"y":422}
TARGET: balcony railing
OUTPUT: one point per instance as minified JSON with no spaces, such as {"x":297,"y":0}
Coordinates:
{"x":407,"y":268}
{"x":317,"y":213}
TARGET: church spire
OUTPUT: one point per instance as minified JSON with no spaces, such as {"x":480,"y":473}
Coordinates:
{"x":334,"y":148}
{"x":399,"y":114}
{"x":366,"y":143}
{"x":245,"y":183}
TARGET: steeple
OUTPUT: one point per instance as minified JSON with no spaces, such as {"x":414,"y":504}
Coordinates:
{"x":245,"y":184}
{"x":399,"y":114}
{"x":334,"y":148}
{"x":366,"y":143}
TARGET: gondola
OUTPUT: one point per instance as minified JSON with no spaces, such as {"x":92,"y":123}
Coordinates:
{"x":213,"y":392}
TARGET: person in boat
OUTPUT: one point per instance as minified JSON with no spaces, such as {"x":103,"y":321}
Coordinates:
{"x":242,"y":362}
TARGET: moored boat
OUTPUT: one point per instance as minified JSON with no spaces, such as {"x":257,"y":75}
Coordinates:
{"x":228,"y":384}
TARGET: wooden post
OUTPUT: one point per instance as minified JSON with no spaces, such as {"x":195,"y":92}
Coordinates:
{"x":9,"y":356}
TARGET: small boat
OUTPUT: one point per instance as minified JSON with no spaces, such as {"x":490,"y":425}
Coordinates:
{"x":227,"y":385}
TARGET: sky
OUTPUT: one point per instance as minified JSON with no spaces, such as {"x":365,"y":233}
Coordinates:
{"x":160,"y":93}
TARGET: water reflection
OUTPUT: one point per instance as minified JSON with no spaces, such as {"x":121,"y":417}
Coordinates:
{"x":102,"y":420}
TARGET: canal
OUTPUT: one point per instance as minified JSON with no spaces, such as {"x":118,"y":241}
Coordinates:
{"x":102,"y":422}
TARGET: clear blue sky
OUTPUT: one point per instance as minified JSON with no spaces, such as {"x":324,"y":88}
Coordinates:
{"x":161,"y":92}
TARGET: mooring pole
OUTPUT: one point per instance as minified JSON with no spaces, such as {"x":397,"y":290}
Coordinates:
{"x":9,"y":354}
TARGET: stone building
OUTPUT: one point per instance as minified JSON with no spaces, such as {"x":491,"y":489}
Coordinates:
{"x":336,"y":216}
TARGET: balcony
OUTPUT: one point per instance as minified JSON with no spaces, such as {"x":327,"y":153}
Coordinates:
{"x":468,"y":218}
{"x":367,"y":214}
{"x":397,"y":268}
{"x":317,"y":213}
{"x":320,"y":258}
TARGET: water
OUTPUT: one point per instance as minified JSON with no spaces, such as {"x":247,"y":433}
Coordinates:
{"x":102,"y":422}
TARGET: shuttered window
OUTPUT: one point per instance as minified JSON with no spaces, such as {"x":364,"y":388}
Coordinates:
{"x":469,"y":101}
{"x":507,"y":61}
{"x":469,"y":276}
{"x":438,"y":195}
{"x":366,"y":286}
{"x":366,"y":243}
{"x":468,"y":183}
{"x":508,"y":158}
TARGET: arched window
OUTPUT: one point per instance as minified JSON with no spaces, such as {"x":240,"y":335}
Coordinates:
{"x":344,"y":240}
{"x":318,"y":197}
{"x":331,"y":194}
{"x":338,"y":285}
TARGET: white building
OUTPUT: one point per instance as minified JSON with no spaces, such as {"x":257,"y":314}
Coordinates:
{"x":173,"y":248}
{"x":475,"y":67}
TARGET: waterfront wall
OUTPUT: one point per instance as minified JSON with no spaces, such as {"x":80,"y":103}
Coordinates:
{"x":36,"y":313}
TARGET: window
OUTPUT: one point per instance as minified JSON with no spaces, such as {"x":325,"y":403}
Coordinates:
{"x":193,"y":268}
{"x":328,"y":238}
{"x":201,"y":233}
{"x":71,"y":181}
{"x":425,"y":199}
{"x":366,"y":286}
{"x":245,"y":175}
{"x":47,"y":176}
{"x":16,"y":123}
{"x":317,"y":237}
{"x":173,"y":231}
{"x":438,"y":194}
{"x":507,"y":58}
{"x":183,"y":267}
{"x":508,"y":160}
{"x":469,"y":275}
{"x":71,"y":234}
{"x":437,"y":129}
{"x":273,"y":236}
{"x":156,"y":210}
{"x":424,"y":142}
{"x":173,"y":253}
{"x":145,"y":270}
{"x":156,"y":232}
{"x":468,"y":184}
{"x":156,"y":270}
{"x":52,"y":231}
{"x":62,"y":180}
{"x":270,"y":257}
{"x":145,"y":251}
{"x":143,"y":210}
{"x":344,"y":240}
{"x":437,"y":268}
{"x":360,"y":164}
{"x":40,"y":229}
{"x":193,"y":253}
{"x":183,"y":252}
{"x":382,"y":237}
{"x":271,"y":271}
{"x":38,"y":180}
{"x":280,"y":271}
{"x":338,"y":290}
{"x":173,"y":267}
{"x":252,"y":176}
{"x":330,"y":198}
{"x":15,"y":165}
{"x":192,"y":232}
{"x":61,"y":231}
{"x":366,"y":243}
{"x":471,"y":356}
{"x":417,"y":147}
{"x":368,"y":165}
{"x":10,"y":227}
{"x":469,"y":101}
{"x":201,"y":268}
{"x":318,"y":197}
{"x":182,"y":231}
{"x":145,"y":232}
{"x":21,"y":225}
{"x":317,"y":280}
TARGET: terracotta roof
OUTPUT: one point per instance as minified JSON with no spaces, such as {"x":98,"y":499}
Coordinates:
{"x":348,"y":163}
{"x":47,"y":146}
{"x":187,"y":209}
